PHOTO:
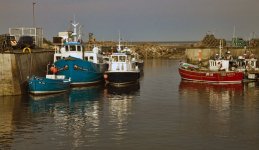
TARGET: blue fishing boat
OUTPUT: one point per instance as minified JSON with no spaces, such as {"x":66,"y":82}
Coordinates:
{"x":81,"y":66}
{"x":80,"y":71}
{"x":48,"y":85}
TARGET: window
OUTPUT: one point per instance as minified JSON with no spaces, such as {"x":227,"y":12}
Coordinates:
{"x":58,"y":58}
{"x":115,"y":58}
{"x":72,"y":48}
{"x":122,"y":58}
{"x":79,"y":48}
{"x":91,"y":58}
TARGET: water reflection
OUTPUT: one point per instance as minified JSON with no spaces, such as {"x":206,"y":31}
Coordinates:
{"x":9,"y":114}
{"x":75,"y":114}
{"x":220,"y":111}
{"x":251,"y":93}
{"x":121,"y":100}
{"x":219,"y":96}
{"x":130,"y":89}
{"x":47,"y":103}
{"x":81,"y":120}
{"x":81,"y":94}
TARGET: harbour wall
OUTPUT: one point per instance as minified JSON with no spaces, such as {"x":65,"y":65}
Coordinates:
{"x":16,"y":68}
{"x":192,"y":54}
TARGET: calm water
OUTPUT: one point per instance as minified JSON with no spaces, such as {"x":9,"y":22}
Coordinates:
{"x":161,"y":112}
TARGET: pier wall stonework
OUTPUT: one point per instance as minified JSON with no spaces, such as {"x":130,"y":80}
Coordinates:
{"x":8,"y":80}
{"x":15,"y":69}
{"x":192,"y":54}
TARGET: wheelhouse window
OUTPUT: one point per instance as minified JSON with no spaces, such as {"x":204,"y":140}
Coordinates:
{"x":66,"y":47}
{"x":72,"y":48}
{"x":115,"y":58}
{"x":79,"y":48}
{"x":58,"y":57}
{"x":252,"y":63}
{"x":122,"y":58}
{"x":100,"y":59}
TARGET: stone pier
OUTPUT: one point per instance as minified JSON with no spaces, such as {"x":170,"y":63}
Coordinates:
{"x":16,"y":68}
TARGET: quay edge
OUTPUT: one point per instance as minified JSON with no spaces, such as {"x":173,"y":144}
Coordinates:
{"x":17,"y":67}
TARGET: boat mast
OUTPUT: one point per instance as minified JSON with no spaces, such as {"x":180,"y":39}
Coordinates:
{"x":220,"y":48}
{"x":80,"y":33}
{"x":119,"y":46}
{"x":74,"y":34}
{"x":234,"y":38}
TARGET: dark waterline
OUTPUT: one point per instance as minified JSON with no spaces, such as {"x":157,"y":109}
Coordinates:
{"x":161,"y":112}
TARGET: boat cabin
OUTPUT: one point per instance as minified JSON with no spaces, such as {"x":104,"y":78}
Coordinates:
{"x":217,"y":65}
{"x":239,"y":64}
{"x":246,"y":64}
{"x":75,"y":49}
{"x":121,"y":62}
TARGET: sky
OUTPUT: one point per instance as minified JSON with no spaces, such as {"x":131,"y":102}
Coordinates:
{"x":136,"y":20}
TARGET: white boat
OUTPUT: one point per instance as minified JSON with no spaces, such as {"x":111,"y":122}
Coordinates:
{"x":122,"y":70}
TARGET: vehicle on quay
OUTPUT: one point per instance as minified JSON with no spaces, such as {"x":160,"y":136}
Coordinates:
{"x":26,"y":42}
{"x":7,"y":42}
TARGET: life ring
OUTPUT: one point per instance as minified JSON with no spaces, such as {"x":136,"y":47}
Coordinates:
{"x":26,"y":49}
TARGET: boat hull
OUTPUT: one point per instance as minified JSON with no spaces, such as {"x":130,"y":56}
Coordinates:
{"x":81,"y":72}
{"x":209,"y":76}
{"x":121,"y":78}
{"x":42,"y":85}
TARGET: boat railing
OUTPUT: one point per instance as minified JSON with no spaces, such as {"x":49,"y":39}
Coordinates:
{"x":53,"y":76}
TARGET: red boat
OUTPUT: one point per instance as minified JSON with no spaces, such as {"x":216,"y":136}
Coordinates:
{"x":219,"y":71}
{"x":194,"y":73}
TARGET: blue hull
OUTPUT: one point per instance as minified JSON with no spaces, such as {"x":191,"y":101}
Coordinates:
{"x":81,"y":72}
{"x":42,"y":85}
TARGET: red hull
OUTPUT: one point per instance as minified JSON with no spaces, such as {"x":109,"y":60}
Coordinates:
{"x":209,"y":76}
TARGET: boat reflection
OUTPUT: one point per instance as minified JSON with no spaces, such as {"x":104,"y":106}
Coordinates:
{"x":92,"y":93}
{"x":217,"y":96}
{"x":189,"y":85}
{"x":120,"y":102}
{"x":9,"y":114}
{"x":47,"y":103}
{"x":73,"y":112}
{"x":129,"y":89}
